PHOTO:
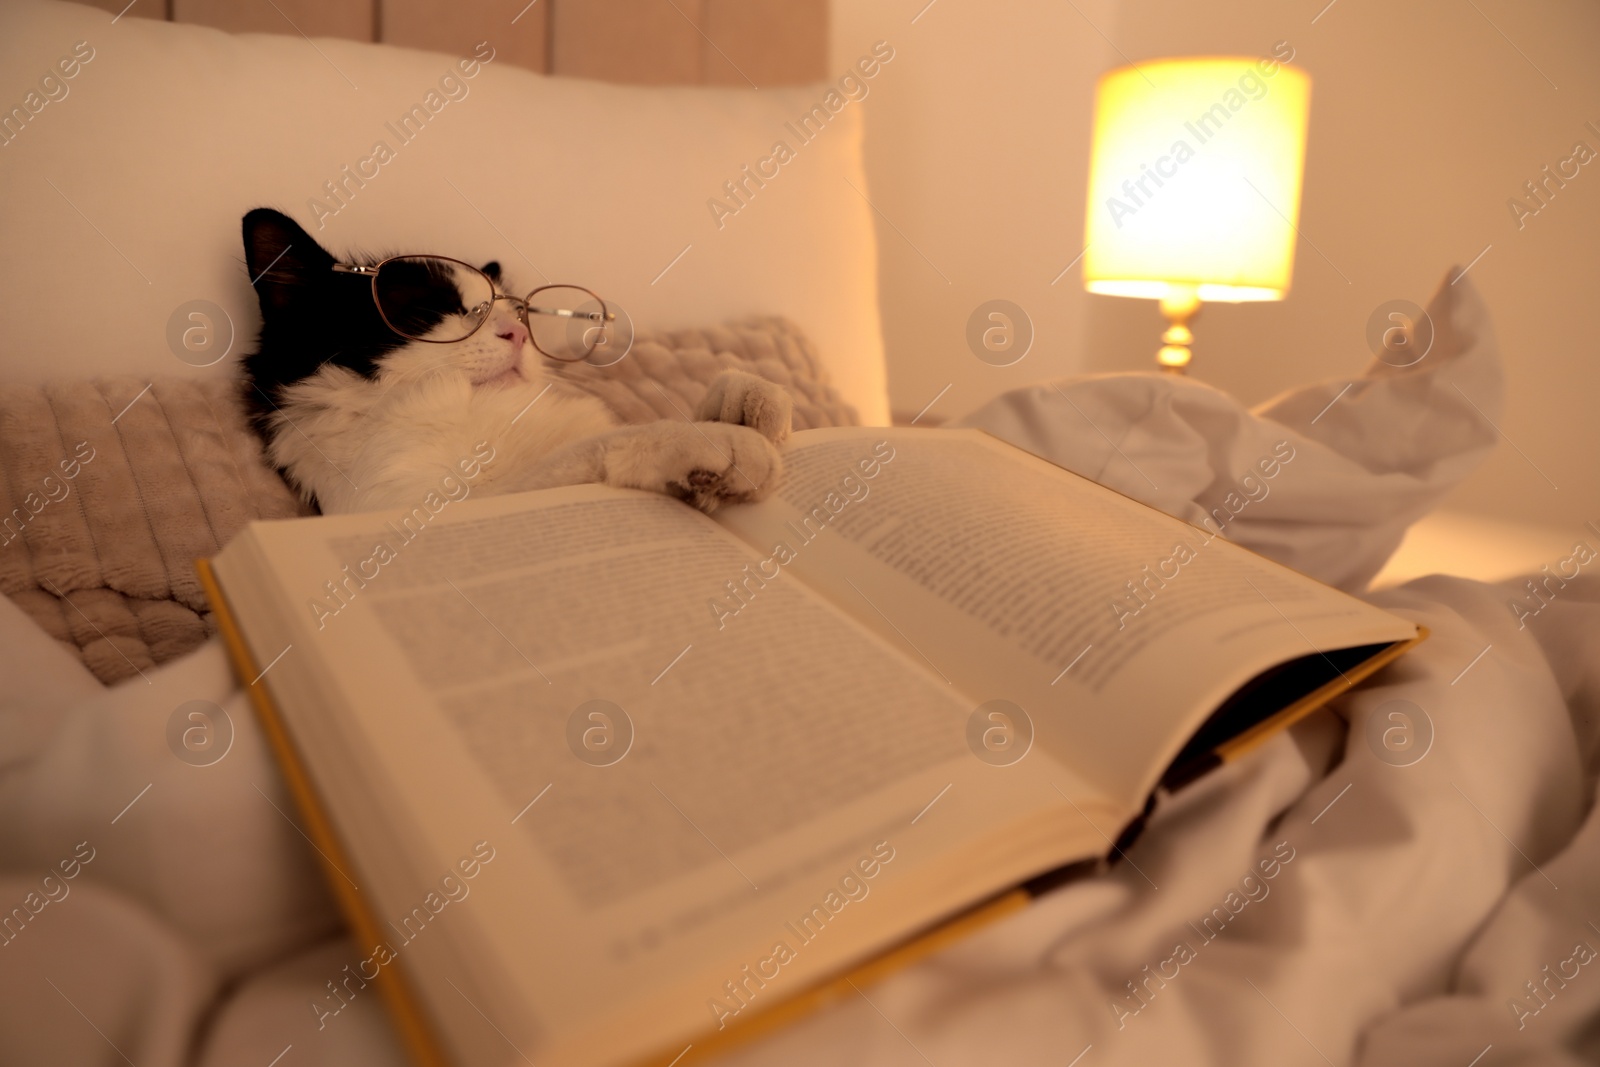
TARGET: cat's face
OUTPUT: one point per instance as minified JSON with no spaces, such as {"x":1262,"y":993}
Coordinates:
{"x":314,"y":317}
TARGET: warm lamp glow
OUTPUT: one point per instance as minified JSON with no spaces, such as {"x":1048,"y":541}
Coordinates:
{"x":1194,"y":183}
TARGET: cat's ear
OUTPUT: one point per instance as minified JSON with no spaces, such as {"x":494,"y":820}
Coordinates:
{"x":492,"y":269}
{"x":284,"y":260}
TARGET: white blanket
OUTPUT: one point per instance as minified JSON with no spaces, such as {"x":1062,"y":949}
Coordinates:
{"x":1331,"y":899}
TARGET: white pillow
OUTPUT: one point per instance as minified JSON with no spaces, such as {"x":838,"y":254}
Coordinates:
{"x":122,"y":187}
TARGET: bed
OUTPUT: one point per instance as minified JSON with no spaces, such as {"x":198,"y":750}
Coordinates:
{"x":1436,"y":859}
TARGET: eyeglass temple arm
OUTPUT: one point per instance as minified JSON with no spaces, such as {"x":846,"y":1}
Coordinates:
{"x":354,"y":268}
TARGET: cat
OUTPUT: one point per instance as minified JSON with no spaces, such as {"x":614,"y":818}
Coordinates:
{"x":358,"y":417}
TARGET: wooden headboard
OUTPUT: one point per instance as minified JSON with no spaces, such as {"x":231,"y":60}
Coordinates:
{"x":647,"y":42}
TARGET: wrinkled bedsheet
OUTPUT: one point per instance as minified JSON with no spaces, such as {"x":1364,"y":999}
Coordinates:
{"x":1411,"y":876}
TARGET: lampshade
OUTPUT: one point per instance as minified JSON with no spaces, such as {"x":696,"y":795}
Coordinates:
{"x":1194,"y":178}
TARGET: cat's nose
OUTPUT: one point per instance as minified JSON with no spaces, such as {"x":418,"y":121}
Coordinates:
{"x":513,"y":332}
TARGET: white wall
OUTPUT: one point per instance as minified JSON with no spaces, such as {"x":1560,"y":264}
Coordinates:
{"x":1424,"y":121}
{"x":976,"y":139}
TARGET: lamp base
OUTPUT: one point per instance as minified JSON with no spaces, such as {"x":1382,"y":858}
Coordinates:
{"x":1180,"y":305}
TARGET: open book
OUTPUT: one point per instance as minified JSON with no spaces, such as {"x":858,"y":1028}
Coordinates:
{"x":599,"y":777}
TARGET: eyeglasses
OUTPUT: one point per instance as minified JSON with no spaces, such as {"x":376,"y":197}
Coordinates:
{"x":442,"y":301}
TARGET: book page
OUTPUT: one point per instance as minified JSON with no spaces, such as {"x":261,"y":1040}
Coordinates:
{"x":1116,"y":628}
{"x":513,"y":623}
{"x":668,"y":797}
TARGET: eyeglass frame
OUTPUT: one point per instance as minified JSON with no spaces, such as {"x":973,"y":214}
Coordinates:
{"x":604,"y":315}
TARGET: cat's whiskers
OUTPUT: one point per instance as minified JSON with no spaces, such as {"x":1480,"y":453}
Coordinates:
{"x":413,"y":372}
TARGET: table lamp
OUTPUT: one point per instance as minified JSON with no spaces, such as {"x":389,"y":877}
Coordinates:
{"x":1194,"y":185}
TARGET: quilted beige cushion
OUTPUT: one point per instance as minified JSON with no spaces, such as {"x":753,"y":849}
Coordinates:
{"x":110,"y":489}
{"x":679,"y":364}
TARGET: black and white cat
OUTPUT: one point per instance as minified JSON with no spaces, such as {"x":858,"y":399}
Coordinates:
{"x":359,"y":417}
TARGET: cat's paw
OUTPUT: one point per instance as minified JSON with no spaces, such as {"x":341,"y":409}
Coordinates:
{"x":746,"y":400}
{"x":704,"y":464}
